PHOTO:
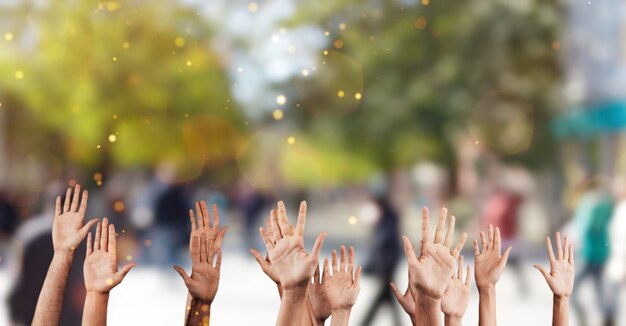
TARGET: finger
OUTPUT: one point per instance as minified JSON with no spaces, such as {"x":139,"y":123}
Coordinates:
{"x":476,"y":249}
{"x":468,"y":276}
{"x":57,"y":207}
{"x":206,"y":218}
{"x":182,"y":274}
{"x":276,"y":231}
{"x":218,"y":262}
{"x":545,"y":273}
{"x":483,"y":241}
{"x":195,"y":249}
{"x":497,"y":242}
{"x":258,"y":257}
{"x":326,"y":274}
{"x":268,"y":243}
{"x":66,"y":203}
{"x":491,"y":238}
{"x":549,"y":248}
{"x":74,"y":204}
{"x":301,"y":219}
{"x":104,"y":238}
{"x":203,"y":251}
{"x":408,"y":249}
{"x":443,"y":214}
{"x":559,"y":246}
{"x":83,"y":203}
{"x":96,"y":242}
{"x":343,"y":261}
{"x":317,"y":246}
{"x":89,"y":245}
{"x":316,"y":275}
{"x":459,"y":272}
{"x":395,"y":291}
{"x":210,"y":251}
{"x":192,"y":219}
{"x":199,"y":213}
{"x":571,"y":254}
{"x":283,"y":221}
{"x":335,"y":266}
{"x":450,"y":232}
{"x":565,"y":249}
{"x":351,"y":260}
{"x":216,"y":216}
{"x":425,"y":226}
{"x":119,"y":276}
{"x":505,"y":256}
{"x":112,"y":239}
{"x":220,"y":238}
{"x":357,"y":276}
{"x":85,"y":229}
{"x":459,"y":246}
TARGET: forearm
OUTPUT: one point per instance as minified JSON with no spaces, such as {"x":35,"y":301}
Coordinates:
{"x":340,"y":317}
{"x":309,"y":317}
{"x":487,"y":306}
{"x":560,"y":311}
{"x":292,"y":306}
{"x":199,"y":312}
{"x":427,"y":311}
{"x":48,"y":310}
{"x":95,"y":310}
{"x":452,"y":320}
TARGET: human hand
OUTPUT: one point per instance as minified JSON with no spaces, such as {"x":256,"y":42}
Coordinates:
{"x":561,"y":276}
{"x":285,"y":247}
{"x":265,"y":263}
{"x":320,"y":307}
{"x":205,"y":277}
{"x":431,"y":272}
{"x":342,"y":287}
{"x":68,"y":229}
{"x":490,"y":263}
{"x":405,"y":300}
{"x":456,"y":297}
{"x":206,"y":225}
{"x":100,"y":268}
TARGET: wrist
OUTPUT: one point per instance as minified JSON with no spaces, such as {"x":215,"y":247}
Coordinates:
{"x":561,"y":299}
{"x":486,"y":287}
{"x":341,"y":313}
{"x":97,"y":294}
{"x":452,"y":320}
{"x":295,"y":294}
{"x":65,"y":255}
{"x":426,"y":302}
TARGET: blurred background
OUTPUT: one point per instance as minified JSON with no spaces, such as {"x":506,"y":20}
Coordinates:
{"x":508,"y":112}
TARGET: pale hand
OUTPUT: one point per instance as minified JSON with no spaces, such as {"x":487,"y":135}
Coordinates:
{"x":320,"y":305}
{"x":68,"y":229}
{"x":405,"y":300}
{"x":432,"y":270}
{"x":490,"y":263}
{"x":342,"y":288}
{"x":456,"y":297}
{"x":561,"y":275}
{"x":100,"y":268}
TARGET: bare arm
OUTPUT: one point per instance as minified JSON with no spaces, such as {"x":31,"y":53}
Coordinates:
{"x":67,"y":233}
{"x":560,"y":278}
{"x":488,"y":267}
{"x":431,"y":272}
{"x":101,"y":273}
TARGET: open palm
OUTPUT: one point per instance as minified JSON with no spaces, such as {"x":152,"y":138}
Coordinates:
{"x":490,"y":263}
{"x":561,"y":275}
{"x":343,"y":286}
{"x":205,"y":277}
{"x":68,"y":229}
{"x":456,"y":296}
{"x":320,"y":306}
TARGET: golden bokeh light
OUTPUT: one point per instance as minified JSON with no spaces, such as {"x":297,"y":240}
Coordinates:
{"x":341,"y":93}
{"x":119,"y":206}
{"x":179,"y":42}
{"x":358,"y":96}
{"x":8,"y":37}
{"x":281,"y":99}
{"x":253,"y":7}
{"x":291,"y":140}
{"x":277,"y":114}
{"x":19,"y":74}
{"x":352,"y":220}
{"x":112,"y":138}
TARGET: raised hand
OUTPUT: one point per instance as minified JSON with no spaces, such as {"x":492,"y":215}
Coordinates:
{"x":293,"y":265}
{"x":68,"y":229}
{"x":405,"y":300}
{"x":456,"y":297}
{"x":561,"y":275}
{"x":206,"y":225}
{"x":320,"y":306}
{"x":431,"y":272}
{"x":342,"y":287}
{"x":100,"y":268}
{"x":205,"y":277}
{"x":490,"y":263}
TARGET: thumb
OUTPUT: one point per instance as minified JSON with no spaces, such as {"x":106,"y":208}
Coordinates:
{"x":545,"y":273}
{"x":395,"y":291}
{"x":317,"y":246}
{"x":119,"y":276}
{"x":85,"y":229}
{"x":182,"y":273}
{"x":505,"y":256}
